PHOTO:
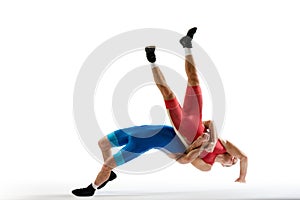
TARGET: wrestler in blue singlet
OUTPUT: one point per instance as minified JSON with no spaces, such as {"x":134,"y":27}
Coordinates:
{"x":139,"y":139}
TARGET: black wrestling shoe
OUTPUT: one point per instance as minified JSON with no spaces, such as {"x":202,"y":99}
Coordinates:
{"x":150,"y":53}
{"x":84,"y":192}
{"x":112,"y":176}
{"x":191,"y":32}
{"x":186,"y":41}
{"x":90,"y":190}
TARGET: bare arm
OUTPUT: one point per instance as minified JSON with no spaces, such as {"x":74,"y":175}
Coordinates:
{"x":211,"y":141}
{"x":194,"y":150}
{"x":198,"y":142}
{"x":213,"y":136}
{"x":189,"y":157}
{"x":233,"y":150}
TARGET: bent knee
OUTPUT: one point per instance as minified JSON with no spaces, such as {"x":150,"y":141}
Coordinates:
{"x":104,"y":143}
{"x":110,"y":163}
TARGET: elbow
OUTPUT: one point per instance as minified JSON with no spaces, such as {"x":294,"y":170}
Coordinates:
{"x":244,"y":159}
{"x":207,"y":169}
{"x":209,"y":123}
{"x":183,"y":161}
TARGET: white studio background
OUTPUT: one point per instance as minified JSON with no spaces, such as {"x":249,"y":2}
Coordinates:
{"x":255,"y":46}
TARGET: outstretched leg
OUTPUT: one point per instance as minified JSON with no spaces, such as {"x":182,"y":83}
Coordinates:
{"x":192,"y":126}
{"x":193,"y":80}
{"x":172,"y":105}
{"x":132,"y":149}
{"x":106,"y":174}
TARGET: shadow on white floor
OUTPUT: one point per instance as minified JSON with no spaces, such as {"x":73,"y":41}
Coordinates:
{"x":189,"y":195}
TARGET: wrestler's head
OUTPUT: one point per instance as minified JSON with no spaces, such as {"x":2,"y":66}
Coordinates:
{"x":228,"y":160}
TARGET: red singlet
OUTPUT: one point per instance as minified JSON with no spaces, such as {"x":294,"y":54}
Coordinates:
{"x":209,"y":158}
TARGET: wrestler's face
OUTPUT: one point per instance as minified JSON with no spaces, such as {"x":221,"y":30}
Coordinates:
{"x":228,"y":160}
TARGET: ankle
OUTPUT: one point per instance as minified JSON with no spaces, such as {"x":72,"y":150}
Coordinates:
{"x":153,"y":65}
{"x":95,"y":186}
{"x":188,"y":51}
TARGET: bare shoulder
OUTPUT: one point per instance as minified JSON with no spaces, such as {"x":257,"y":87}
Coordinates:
{"x":233,"y":150}
{"x":224,"y":142}
{"x":227,"y":144}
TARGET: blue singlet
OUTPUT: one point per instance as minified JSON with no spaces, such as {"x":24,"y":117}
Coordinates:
{"x":139,"y":139}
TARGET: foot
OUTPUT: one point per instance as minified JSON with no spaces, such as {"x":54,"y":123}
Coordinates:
{"x":150,"y":53}
{"x":84,"y":192}
{"x":90,"y":190}
{"x":112,"y":176}
{"x":191,"y":32}
{"x":186,"y":41}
